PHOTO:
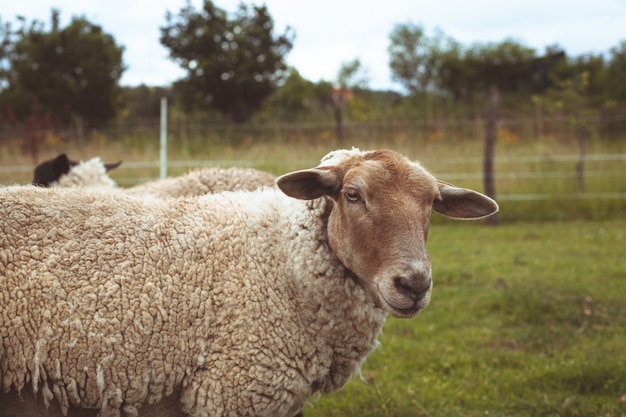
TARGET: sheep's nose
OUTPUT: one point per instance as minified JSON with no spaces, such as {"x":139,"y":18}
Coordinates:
{"x":414,"y":286}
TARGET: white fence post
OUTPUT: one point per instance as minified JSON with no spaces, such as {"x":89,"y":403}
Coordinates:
{"x":163,"y":170}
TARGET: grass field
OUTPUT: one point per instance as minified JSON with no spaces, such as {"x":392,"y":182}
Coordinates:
{"x":526,"y":320}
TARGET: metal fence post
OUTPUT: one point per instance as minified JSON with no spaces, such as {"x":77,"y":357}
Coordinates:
{"x":163,"y":170}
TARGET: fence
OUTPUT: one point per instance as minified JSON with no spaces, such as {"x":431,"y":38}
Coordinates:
{"x":609,"y":177}
{"x":518,"y":179}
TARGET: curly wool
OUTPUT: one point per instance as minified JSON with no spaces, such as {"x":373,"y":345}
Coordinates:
{"x":207,"y":180}
{"x":113,"y":301}
{"x":91,"y":173}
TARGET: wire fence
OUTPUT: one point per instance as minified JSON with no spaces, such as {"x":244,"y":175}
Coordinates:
{"x":127,"y":174}
{"x":528,"y":188}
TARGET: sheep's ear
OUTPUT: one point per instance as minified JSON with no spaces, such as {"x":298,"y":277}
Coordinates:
{"x":309,"y":184}
{"x":61,"y":165}
{"x":461,"y":203}
{"x":109,"y":167}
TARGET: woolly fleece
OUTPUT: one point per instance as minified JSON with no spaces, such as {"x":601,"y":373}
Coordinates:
{"x":203,"y":181}
{"x":235,"y":300}
{"x":91,"y":173}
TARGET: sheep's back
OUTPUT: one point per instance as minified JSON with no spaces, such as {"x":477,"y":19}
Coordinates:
{"x":203,"y":181}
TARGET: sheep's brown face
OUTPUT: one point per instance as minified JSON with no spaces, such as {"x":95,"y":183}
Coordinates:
{"x":378,"y":229}
{"x":379,"y":223}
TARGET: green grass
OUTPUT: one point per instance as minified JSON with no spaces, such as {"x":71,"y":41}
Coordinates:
{"x":526,"y":320}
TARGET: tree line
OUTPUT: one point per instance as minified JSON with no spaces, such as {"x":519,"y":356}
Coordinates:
{"x":235,"y":71}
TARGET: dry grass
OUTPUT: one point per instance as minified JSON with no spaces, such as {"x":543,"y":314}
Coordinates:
{"x":526,"y":167}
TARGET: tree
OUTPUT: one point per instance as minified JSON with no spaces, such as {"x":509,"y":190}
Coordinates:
{"x":143,"y":103}
{"x":72,"y":72}
{"x":5,"y":44}
{"x":440,"y":64}
{"x":617,"y":72}
{"x":613,"y":113}
{"x":352,"y":75}
{"x":295,"y":97}
{"x":415,"y":59}
{"x":505,"y":65}
{"x":233,"y":63}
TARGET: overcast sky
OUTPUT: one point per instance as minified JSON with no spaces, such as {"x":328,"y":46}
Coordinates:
{"x":332,"y":32}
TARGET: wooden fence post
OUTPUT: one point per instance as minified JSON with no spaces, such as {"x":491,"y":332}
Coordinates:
{"x":491,"y":119}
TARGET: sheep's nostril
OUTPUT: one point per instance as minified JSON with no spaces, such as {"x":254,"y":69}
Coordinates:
{"x":413,"y":287}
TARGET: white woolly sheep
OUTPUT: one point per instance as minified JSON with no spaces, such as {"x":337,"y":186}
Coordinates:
{"x":231,"y":304}
{"x":206,"y":180}
{"x":61,"y":172}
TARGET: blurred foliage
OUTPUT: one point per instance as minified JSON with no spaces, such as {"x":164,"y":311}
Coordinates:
{"x":616,"y":73}
{"x":71,"y":71}
{"x":236,"y":73}
{"x":416,"y":60}
{"x":299,"y":99}
{"x":233,"y":63}
{"x":352,"y":74}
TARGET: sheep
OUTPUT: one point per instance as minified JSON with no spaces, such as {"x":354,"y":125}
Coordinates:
{"x":207,"y":180}
{"x":61,"y":172}
{"x":241,"y":303}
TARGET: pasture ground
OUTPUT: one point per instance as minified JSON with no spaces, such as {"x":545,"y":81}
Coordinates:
{"x":526,"y":320}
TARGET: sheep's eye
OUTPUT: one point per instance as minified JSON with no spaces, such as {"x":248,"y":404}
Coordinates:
{"x":352,"y":196}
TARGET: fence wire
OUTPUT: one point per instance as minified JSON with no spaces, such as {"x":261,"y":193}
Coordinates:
{"x":127,"y":179}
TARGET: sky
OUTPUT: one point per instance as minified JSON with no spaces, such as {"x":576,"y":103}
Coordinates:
{"x":330,"y":33}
